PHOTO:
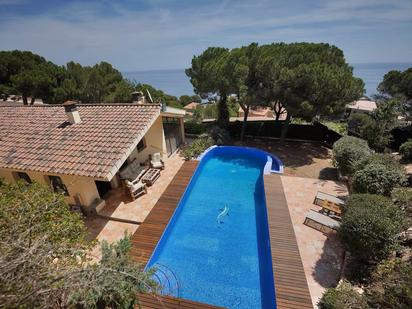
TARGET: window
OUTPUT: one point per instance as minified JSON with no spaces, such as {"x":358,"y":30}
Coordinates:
{"x":23,"y":176}
{"x":58,"y":185}
{"x":141,"y":145}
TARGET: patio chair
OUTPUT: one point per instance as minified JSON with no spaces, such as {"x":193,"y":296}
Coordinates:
{"x":329,"y":203}
{"x":156,"y":161}
{"x":321,"y":222}
{"x":136,"y":188}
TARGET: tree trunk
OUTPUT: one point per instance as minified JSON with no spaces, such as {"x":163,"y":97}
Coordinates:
{"x":285,"y":128}
{"x":25,"y":99}
{"x":246,"y":113}
{"x":223,"y":112}
{"x":32,"y":100}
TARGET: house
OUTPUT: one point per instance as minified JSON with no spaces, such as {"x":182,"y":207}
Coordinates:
{"x":191,"y":106}
{"x":257,"y":111}
{"x":78,"y":149}
{"x":363,"y":105}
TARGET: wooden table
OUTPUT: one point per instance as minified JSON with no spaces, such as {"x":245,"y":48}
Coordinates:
{"x":151,"y":176}
{"x":329,"y":206}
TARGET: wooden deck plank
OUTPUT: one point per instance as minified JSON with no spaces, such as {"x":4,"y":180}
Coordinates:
{"x":290,"y":281}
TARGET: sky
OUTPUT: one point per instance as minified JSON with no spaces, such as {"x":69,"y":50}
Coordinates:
{"x":165,"y":34}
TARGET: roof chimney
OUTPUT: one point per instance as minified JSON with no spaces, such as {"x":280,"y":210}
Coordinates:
{"x":138,"y":97}
{"x":72,"y":113}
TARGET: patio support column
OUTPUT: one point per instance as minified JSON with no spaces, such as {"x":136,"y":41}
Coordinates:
{"x":182,"y":128}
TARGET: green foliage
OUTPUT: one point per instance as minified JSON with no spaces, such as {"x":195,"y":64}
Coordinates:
{"x":342,"y":297}
{"x":33,"y":210}
{"x":114,"y":282}
{"x":198,"y":146}
{"x":194,"y":128}
{"x":32,"y":76}
{"x":219,"y":136}
{"x":357,"y":121}
{"x":44,"y":260}
{"x":375,"y":128}
{"x":369,"y":227}
{"x":347,"y":152}
{"x":397,"y":83}
{"x":392,"y":285}
{"x":378,"y":178}
{"x":306,"y":79}
{"x":402,"y":197}
{"x":406,"y":150}
{"x":338,"y":127}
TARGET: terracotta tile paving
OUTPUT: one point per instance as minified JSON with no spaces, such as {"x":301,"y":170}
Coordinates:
{"x":119,"y":204}
{"x":321,"y":255}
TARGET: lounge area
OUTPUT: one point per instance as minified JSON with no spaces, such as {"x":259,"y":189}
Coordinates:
{"x":120,"y":205}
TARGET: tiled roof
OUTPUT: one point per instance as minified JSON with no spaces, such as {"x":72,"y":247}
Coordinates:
{"x":39,"y":138}
{"x":363,"y":104}
{"x":192,"y":105}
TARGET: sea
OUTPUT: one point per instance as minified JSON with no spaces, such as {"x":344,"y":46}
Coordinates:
{"x":175,"y":82}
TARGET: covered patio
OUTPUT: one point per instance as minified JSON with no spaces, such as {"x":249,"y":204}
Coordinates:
{"x":114,"y":219}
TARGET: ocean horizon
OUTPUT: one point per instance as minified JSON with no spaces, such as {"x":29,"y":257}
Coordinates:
{"x":175,"y":81}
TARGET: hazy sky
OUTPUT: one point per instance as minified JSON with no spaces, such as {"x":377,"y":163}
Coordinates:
{"x":165,"y":34}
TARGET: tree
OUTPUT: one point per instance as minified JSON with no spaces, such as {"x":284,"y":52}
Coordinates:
{"x":44,"y":259}
{"x":306,"y":79}
{"x":347,"y":152}
{"x":209,"y":78}
{"x":342,"y":297}
{"x":370,"y":224}
{"x":398,"y":85}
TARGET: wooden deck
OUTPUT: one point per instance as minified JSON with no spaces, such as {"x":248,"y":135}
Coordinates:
{"x":290,"y":282}
{"x":292,"y":291}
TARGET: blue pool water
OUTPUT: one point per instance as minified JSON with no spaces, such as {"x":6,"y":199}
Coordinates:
{"x":223,"y":261}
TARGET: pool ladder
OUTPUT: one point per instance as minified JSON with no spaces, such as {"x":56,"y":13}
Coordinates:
{"x":167,"y":280}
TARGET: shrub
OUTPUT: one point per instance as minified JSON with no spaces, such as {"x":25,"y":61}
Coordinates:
{"x":406,"y":150}
{"x":377,"y":178}
{"x":392,"y":285}
{"x":192,"y":127}
{"x":338,"y":127}
{"x":342,"y":297}
{"x":196,"y":148}
{"x":369,"y":226}
{"x":402,"y":197}
{"x":356,"y":122}
{"x":380,"y":158}
{"x":347,"y":151}
{"x":219,"y":136}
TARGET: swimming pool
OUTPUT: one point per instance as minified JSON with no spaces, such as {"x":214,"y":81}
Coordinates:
{"x":216,"y":247}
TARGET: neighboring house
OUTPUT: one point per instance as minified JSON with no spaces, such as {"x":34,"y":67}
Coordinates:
{"x":257,"y":111}
{"x":363,"y":105}
{"x":79,"y":149}
{"x":18,"y":100}
{"x":191,"y":106}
